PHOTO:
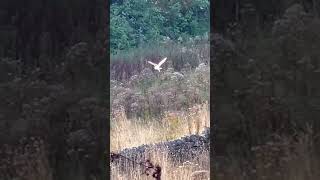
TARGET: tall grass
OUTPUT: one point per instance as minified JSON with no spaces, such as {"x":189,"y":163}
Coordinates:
{"x":128,"y":63}
{"x":126,"y":133}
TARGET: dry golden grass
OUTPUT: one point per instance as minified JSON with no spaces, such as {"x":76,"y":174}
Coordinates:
{"x":126,"y":133}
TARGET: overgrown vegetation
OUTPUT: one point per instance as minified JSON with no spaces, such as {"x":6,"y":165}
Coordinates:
{"x":148,"y":106}
{"x":147,"y":94}
{"x":52,"y":86}
{"x":266,"y":93}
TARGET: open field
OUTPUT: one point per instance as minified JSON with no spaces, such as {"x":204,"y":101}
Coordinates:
{"x":151,"y":107}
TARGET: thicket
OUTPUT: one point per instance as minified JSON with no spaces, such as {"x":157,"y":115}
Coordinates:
{"x":134,"y":23}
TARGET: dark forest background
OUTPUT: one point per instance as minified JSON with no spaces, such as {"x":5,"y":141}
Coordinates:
{"x":265,"y":89}
{"x":53,"y":86}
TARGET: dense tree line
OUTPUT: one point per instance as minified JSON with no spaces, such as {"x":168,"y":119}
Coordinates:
{"x":134,"y":23}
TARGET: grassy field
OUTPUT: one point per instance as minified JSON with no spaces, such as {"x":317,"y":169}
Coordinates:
{"x":150,"y":107}
{"x":128,"y":133}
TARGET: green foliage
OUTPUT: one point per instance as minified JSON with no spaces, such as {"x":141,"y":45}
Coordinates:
{"x":134,"y":23}
{"x":120,"y":31}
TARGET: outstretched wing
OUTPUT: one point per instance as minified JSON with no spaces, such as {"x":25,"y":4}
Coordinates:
{"x":162,"y":61}
{"x":152,"y":63}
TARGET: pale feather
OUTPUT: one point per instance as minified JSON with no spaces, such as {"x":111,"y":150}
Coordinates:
{"x":162,"y":61}
{"x":152,"y":63}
